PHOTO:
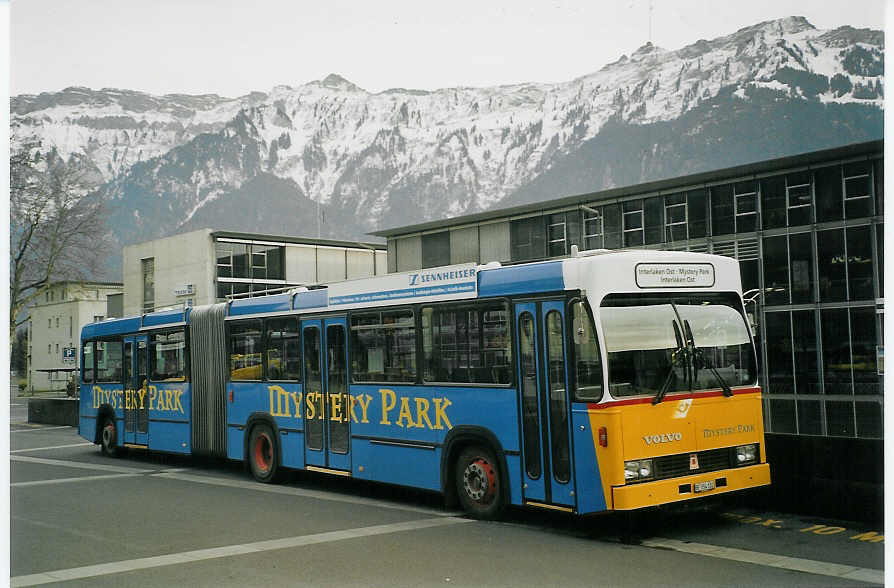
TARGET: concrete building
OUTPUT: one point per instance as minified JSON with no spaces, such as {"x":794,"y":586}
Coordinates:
{"x":54,"y":329}
{"x":807,"y":231}
{"x":206,"y":266}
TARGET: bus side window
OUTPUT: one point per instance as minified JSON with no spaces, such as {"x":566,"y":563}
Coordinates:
{"x":246,"y":348}
{"x":587,"y":359}
{"x":167,"y":356}
{"x":87,"y":362}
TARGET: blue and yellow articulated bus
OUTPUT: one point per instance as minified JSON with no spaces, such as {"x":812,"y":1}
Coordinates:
{"x":603,"y":381}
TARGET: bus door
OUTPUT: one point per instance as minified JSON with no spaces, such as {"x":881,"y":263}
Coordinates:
{"x":542,"y":377}
{"x":327,"y":410}
{"x":136,"y":390}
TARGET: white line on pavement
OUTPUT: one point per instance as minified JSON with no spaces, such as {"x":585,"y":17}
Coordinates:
{"x":51,"y":447}
{"x":80,"y":465}
{"x":37,"y":429}
{"x":810,"y":566}
{"x":119,"y":567}
{"x":318,"y":494}
{"x":68,"y":480}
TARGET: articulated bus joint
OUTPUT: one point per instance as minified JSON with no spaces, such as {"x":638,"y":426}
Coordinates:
{"x":634,"y":496}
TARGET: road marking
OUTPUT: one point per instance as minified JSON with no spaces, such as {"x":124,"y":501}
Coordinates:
{"x":38,"y":428}
{"x":809,"y":566}
{"x":76,"y":533}
{"x":318,"y":494}
{"x":51,"y":447}
{"x":143,"y":563}
{"x":68,"y":480}
{"x":80,"y":465}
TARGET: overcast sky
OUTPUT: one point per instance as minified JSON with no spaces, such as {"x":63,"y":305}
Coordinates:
{"x":232,"y":47}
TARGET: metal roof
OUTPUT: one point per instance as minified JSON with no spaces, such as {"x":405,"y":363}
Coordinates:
{"x":665,"y":185}
{"x":296,"y":240}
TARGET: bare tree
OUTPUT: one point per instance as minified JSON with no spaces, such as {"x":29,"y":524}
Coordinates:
{"x":56,"y":225}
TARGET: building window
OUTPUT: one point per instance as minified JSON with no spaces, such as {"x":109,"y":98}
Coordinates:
{"x":49,"y":323}
{"x":148,"y":272}
{"x":556,"y":235}
{"x":722,"y":216}
{"x":832,"y":265}
{"x":828,"y":194}
{"x":798,"y":198}
{"x":746,"y":206}
{"x":775,"y":270}
{"x":675,"y":218}
{"x":57,"y":349}
{"x":859,"y":263}
{"x":653,"y":218}
{"x":436,"y":249}
{"x":633,"y":223}
{"x":70,"y":326}
{"x":857,"y":191}
{"x":57,"y":322}
{"x":226,"y":290}
{"x":592,"y":223}
{"x":527,"y":239}
{"x":800,"y":249}
{"x":697,"y":205}
{"x":611,"y":225}
{"x":267,"y":262}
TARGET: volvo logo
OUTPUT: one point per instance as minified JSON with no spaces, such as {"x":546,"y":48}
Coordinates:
{"x":662,"y":438}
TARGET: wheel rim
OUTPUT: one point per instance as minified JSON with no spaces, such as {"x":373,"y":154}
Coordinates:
{"x":108,"y":435}
{"x":480,"y":481}
{"x":263,"y":452}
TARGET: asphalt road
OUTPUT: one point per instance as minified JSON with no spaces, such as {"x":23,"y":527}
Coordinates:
{"x":80,"y":519}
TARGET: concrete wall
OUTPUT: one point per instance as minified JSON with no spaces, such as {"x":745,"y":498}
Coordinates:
{"x":409,"y":253}
{"x":182,"y":259}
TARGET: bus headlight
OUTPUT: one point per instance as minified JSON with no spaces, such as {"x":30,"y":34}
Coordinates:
{"x":746,"y":454}
{"x":637,"y":470}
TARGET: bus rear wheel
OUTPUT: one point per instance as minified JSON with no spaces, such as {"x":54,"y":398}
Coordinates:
{"x":109,"y":438}
{"x":262,"y":454}
{"x":478,"y":483}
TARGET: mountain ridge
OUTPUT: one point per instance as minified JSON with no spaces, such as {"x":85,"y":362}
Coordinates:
{"x":370,"y":159}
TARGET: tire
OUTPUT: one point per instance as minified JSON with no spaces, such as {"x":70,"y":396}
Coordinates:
{"x":108,"y":438}
{"x":479,"y":484}
{"x":263,"y":454}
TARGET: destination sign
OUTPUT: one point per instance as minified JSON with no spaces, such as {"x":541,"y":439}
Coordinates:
{"x":674,"y":275}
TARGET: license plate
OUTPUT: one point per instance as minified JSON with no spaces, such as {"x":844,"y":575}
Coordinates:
{"x":703,"y":486}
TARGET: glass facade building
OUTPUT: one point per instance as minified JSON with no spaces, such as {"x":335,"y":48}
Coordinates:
{"x":807,"y":231}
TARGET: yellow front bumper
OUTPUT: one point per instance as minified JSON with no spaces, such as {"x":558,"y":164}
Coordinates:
{"x":646,"y":494}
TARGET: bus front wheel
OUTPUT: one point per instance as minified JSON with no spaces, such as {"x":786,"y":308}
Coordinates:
{"x":478,"y":483}
{"x":262,"y":454}
{"x":109,"y":438}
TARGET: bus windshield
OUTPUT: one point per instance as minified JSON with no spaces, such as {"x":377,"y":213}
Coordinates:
{"x":676,"y":343}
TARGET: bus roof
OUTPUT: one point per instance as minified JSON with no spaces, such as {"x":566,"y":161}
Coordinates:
{"x":630,"y":270}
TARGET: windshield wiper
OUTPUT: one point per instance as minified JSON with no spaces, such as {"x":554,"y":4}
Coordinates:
{"x":699,"y":359}
{"x":680,"y":354}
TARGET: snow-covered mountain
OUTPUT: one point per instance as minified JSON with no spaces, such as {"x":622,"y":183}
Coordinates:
{"x":401,"y":156}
